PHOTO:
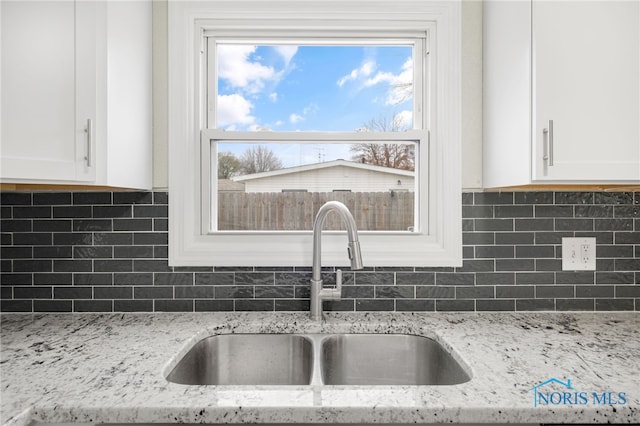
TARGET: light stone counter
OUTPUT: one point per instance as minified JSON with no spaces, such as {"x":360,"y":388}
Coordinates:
{"x":109,"y":368}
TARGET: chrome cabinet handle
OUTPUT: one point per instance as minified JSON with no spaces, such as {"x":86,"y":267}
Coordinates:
{"x":548,"y":143}
{"x":89,"y":131}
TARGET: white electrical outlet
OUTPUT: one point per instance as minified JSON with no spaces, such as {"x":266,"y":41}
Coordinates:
{"x":579,"y":254}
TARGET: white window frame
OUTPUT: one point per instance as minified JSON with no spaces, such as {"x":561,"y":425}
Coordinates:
{"x":436,"y":243}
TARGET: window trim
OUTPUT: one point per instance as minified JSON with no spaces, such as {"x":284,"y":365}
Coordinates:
{"x":441,"y":245}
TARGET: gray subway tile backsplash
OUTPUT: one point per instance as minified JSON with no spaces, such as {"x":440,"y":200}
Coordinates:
{"x":107,"y":252}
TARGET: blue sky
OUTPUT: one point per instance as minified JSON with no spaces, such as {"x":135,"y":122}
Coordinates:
{"x":313,"y":88}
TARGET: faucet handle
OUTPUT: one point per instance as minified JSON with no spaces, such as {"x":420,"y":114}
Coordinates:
{"x":334,"y":293}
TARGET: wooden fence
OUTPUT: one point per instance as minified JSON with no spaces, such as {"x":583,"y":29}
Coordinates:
{"x":291,"y":211}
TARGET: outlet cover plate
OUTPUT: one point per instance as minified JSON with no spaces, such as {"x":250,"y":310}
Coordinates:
{"x":579,"y":254}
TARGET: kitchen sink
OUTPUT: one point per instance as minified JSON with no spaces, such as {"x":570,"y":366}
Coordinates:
{"x":318,"y":359}
{"x":246,"y":359}
{"x":388,"y":359}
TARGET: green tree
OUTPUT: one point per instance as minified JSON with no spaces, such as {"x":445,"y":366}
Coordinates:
{"x":228,"y":165}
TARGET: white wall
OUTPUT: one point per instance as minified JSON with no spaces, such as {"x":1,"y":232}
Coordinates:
{"x":332,"y":179}
{"x":471,"y":94}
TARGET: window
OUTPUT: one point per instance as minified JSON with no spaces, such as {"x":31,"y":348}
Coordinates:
{"x":274,"y":112}
{"x":348,"y":85}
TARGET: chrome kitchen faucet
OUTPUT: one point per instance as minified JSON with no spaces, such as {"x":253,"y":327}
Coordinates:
{"x":318,"y":293}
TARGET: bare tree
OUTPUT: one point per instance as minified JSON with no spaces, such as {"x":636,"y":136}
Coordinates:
{"x":259,"y":159}
{"x":395,"y":123}
{"x":228,"y":165}
{"x":397,"y":156}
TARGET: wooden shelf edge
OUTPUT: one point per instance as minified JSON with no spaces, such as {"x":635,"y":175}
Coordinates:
{"x":566,"y":188}
{"x":518,"y":188}
{"x":57,"y":187}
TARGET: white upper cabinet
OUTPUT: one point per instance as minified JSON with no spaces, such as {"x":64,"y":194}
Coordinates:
{"x":45,"y":102}
{"x":76,"y":93}
{"x":561,"y":92}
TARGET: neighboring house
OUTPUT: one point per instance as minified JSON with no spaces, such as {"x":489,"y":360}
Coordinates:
{"x":225,"y":185}
{"x":337,"y":175}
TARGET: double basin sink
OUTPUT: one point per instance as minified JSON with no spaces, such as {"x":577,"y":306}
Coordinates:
{"x":318,"y":359}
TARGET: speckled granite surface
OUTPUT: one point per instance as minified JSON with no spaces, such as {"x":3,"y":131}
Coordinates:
{"x":110,"y":369}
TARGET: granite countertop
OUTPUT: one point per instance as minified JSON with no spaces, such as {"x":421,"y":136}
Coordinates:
{"x":109,"y":368}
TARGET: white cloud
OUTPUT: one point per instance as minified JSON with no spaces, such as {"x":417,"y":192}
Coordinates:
{"x":310,"y":109}
{"x":400,"y":84}
{"x":235,"y":67}
{"x":258,"y":128}
{"x":233,"y":110}
{"x":273,"y":97}
{"x":405,"y":118}
{"x":381,"y":77}
{"x":295,"y":118}
{"x":408,"y":64}
{"x":405,"y":75}
{"x":364,"y":71}
{"x":287,"y":52}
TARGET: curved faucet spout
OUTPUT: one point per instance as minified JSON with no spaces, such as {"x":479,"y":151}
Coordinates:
{"x":318,"y":293}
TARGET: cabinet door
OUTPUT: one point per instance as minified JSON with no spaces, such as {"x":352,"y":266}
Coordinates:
{"x":48,"y":90}
{"x":587,"y":82}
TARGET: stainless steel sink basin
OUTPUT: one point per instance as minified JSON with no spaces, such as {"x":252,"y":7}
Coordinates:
{"x":388,"y":359}
{"x":318,"y":359}
{"x":246,"y":359}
